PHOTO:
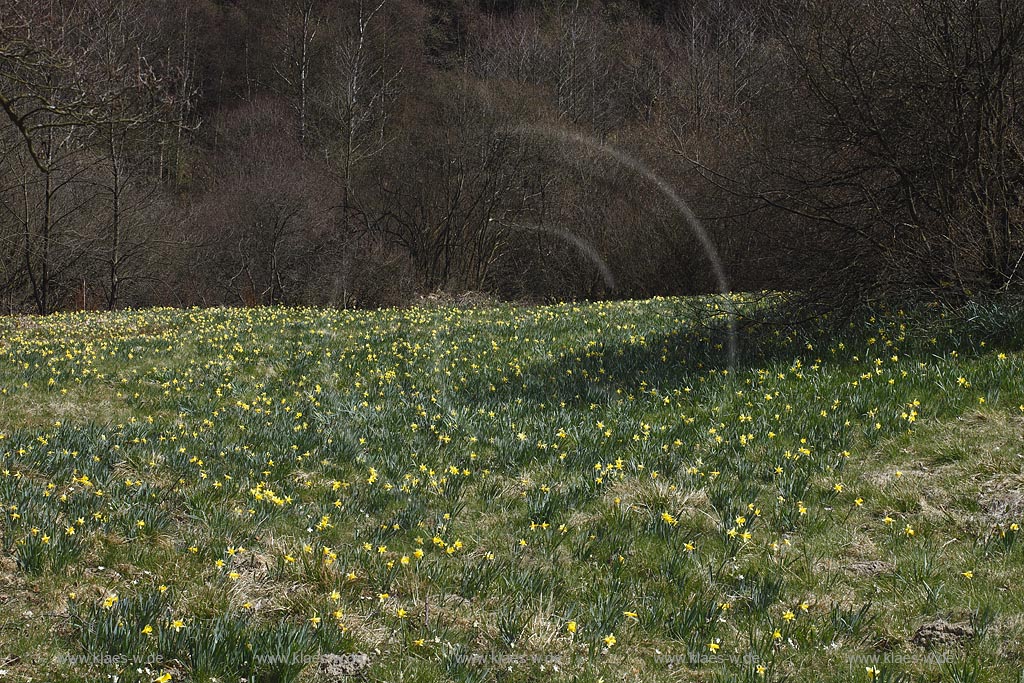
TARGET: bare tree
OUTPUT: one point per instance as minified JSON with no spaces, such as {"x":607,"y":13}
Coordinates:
{"x":917,"y":103}
{"x":457,"y":217}
{"x":297,"y":30}
{"x":269,"y":206}
{"x":367,"y":83}
{"x":69,"y":78}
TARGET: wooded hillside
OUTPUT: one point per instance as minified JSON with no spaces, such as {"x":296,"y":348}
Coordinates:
{"x":364,"y":152}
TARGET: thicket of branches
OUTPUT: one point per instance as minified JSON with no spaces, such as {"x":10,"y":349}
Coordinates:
{"x":363,"y":152}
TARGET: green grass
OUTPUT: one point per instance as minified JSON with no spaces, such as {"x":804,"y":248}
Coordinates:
{"x":578,"y":492}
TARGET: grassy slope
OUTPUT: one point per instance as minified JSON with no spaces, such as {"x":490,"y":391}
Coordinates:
{"x":594,"y":466}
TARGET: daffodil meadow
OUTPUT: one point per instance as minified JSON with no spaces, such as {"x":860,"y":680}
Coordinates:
{"x":590,"y":492}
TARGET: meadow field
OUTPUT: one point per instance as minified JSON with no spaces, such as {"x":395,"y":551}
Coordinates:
{"x":592,"y":492}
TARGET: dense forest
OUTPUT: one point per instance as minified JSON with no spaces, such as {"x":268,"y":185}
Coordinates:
{"x":366,"y":152}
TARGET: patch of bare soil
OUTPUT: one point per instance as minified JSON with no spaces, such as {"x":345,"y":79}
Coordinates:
{"x":334,"y":667}
{"x":871,"y":567}
{"x":941,"y":633}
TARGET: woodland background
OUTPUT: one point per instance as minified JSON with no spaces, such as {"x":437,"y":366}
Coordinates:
{"x":367,"y":152}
